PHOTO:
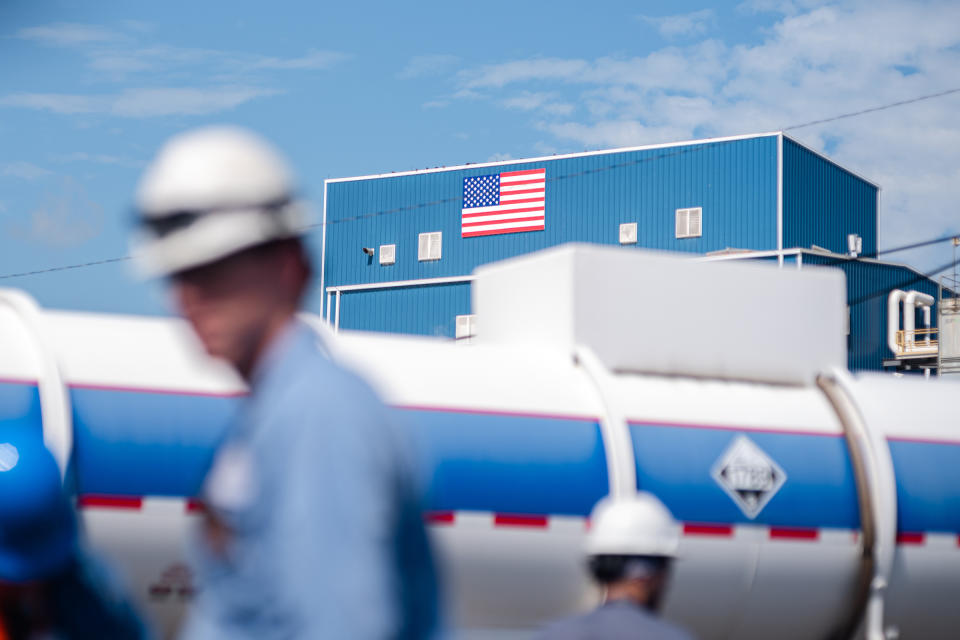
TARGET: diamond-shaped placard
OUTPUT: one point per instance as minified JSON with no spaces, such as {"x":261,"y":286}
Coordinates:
{"x":748,"y":475}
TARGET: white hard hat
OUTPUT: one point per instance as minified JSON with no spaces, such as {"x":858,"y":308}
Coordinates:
{"x":210,"y":193}
{"x":638,"y":525}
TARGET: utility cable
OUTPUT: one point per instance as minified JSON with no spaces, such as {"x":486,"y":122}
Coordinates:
{"x":64,"y":268}
{"x":905,"y":283}
{"x":873,"y":109}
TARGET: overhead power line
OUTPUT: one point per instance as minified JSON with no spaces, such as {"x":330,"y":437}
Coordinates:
{"x":903,"y":284}
{"x":882,"y":107}
{"x":618,"y":165}
{"x":64,"y":268}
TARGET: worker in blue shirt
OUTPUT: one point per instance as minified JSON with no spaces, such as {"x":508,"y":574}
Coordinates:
{"x":50,"y":588}
{"x":313,"y":526}
{"x":631,"y":545}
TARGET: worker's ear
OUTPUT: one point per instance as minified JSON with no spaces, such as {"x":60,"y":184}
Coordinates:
{"x":656,"y":588}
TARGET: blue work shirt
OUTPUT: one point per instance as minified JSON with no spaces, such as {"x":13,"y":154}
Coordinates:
{"x":615,"y":620}
{"x":315,"y":491}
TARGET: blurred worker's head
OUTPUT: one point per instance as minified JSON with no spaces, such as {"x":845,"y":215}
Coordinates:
{"x":631,"y":547}
{"x":219,"y":218}
{"x":237,"y":303}
{"x":37,"y":524}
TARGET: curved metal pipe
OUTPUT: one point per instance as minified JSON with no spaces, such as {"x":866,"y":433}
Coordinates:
{"x":55,"y":411}
{"x":893,"y":318}
{"x":910,"y":302}
{"x":617,"y":443}
{"x":876,"y":498}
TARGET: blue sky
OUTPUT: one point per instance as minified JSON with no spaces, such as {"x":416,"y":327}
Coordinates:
{"x":88,"y":91}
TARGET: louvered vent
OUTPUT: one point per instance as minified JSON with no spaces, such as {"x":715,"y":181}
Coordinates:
{"x":628,"y":233}
{"x":388,"y":254}
{"x":429,"y":245}
{"x":689,"y":222}
{"x":465,"y":326}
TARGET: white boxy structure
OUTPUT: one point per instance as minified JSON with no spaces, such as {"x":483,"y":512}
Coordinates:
{"x":667,"y":314}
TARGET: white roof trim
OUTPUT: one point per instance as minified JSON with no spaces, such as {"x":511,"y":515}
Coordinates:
{"x":820,"y":254}
{"x":746,"y":255}
{"x":582,"y":154}
{"x":796,"y":251}
{"x":397,"y":283}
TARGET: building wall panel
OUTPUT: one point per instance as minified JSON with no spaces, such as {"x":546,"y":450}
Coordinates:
{"x":868,"y":285}
{"x":587,"y":197}
{"x":823,"y":202}
{"x":428,"y":310}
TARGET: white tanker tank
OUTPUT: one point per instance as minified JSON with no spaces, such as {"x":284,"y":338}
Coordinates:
{"x":813,"y":503}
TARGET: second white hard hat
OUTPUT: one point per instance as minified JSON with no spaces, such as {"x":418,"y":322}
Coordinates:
{"x":638,"y":525}
{"x":210,"y":193}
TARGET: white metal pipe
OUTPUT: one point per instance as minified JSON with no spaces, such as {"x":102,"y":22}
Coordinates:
{"x":55,"y":407}
{"x":910,"y":302}
{"x":336,"y":317}
{"x":893,"y":318}
{"x":926,"y":325}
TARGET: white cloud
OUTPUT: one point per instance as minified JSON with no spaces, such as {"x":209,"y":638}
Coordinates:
{"x":312,"y":60}
{"x":683,"y":24}
{"x":814,"y":61}
{"x":56,"y":102}
{"x":419,"y":66}
{"x":544,"y":102}
{"x":142,"y":103}
{"x":499,"y":157}
{"x":146,"y":103}
{"x":161,"y":58}
{"x":67,"y":34}
{"x":539,"y":69}
{"x":695,"y":68}
{"x":24,"y":170}
{"x":96,"y":158}
{"x":66,"y":216}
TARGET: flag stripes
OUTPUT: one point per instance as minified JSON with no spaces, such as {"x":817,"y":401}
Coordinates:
{"x":508,"y":202}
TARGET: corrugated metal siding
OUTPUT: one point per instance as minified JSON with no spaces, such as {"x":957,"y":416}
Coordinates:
{"x":586,"y":200}
{"x":422,"y":310}
{"x":822,"y":203}
{"x":868,"y":319}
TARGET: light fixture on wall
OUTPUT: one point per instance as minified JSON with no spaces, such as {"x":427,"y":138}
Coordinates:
{"x":854,"y":245}
{"x":368,"y":250}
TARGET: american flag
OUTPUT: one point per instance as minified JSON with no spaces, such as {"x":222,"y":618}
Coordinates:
{"x":507,"y":202}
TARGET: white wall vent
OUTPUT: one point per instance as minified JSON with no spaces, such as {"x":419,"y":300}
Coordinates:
{"x":465,"y":327}
{"x":689,"y":222}
{"x":388,"y":253}
{"x":628,"y":233}
{"x":429,"y":245}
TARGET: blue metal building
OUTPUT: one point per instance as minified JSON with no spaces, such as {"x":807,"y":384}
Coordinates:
{"x":395,"y":257}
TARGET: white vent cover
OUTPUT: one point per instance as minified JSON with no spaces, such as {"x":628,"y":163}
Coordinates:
{"x":628,"y":233}
{"x":465,"y":326}
{"x":388,"y":253}
{"x":429,"y":245}
{"x":689,"y":222}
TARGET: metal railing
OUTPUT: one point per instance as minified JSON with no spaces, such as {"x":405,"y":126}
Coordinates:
{"x":916,"y":340}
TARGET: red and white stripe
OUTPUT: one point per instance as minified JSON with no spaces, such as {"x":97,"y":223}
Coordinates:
{"x":521,"y":206}
{"x":496,"y":520}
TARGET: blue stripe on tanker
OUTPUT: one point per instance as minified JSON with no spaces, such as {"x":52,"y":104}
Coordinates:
{"x":928,"y":485}
{"x":675,"y":463}
{"x":142,"y":443}
{"x":511,"y":464}
{"x":19,"y":409}
{"x":506,"y":463}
